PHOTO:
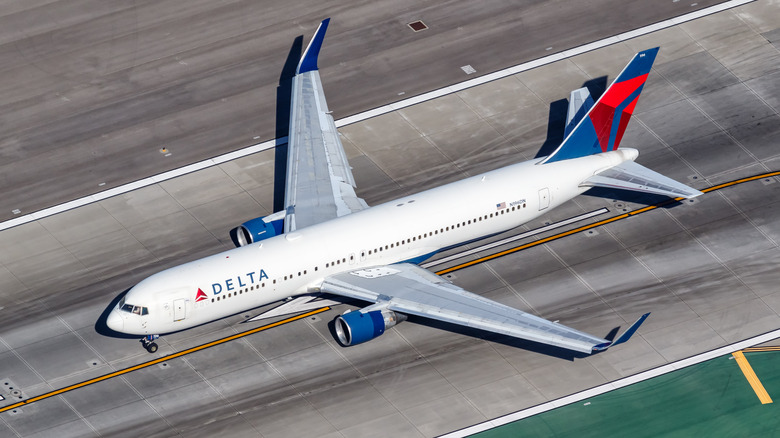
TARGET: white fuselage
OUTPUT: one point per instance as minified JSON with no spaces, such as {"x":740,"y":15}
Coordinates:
{"x":411,"y":228}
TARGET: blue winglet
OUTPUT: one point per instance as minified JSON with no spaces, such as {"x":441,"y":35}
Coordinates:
{"x":625,"y":336}
{"x":309,"y":59}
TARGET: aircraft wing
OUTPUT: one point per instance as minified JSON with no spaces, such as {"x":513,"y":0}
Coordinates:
{"x":319,"y":184}
{"x":409,"y":289}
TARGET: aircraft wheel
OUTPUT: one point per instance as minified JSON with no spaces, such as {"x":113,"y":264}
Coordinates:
{"x":152,"y":348}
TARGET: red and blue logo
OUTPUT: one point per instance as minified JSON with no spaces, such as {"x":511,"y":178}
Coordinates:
{"x":200,"y":296}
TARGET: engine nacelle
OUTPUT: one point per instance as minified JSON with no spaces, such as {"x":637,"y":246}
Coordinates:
{"x":356,"y":327}
{"x":260,"y":228}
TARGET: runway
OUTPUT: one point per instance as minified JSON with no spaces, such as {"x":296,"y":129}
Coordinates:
{"x":706,"y":269}
{"x":92,"y":91}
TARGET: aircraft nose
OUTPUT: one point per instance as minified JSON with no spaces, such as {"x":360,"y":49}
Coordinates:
{"x":115,"y":322}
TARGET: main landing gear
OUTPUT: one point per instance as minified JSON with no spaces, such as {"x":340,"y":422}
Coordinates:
{"x":149,"y":344}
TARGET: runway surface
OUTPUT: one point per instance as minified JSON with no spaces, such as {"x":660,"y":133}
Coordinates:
{"x":706,"y":269}
{"x":91,"y":91}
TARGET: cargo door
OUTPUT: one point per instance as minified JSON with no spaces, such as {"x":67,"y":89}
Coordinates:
{"x":179,"y":309}
{"x":544,"y":198}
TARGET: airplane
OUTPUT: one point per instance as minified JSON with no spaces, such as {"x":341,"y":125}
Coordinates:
{"x":327,"y":240}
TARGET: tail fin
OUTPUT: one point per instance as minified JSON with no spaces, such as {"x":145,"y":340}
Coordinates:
{"x":603,"y":126}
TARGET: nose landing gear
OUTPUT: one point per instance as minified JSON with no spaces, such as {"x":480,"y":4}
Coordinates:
{"x":149,"y":344}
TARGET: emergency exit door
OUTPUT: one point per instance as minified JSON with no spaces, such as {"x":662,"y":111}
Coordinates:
{"x":179,"y":310}
{"x":544,"y":198}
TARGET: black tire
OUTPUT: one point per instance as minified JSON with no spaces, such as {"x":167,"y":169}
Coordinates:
{"x":152,"y":348}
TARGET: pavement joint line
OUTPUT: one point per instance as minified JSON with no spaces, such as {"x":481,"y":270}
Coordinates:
{"x":155,"y":179}
{"x":600,"y":223}
{"x":316,"y":311}
{"x":509,"y":239}
{"x":159,"y":360}
{"x":751,"y":377}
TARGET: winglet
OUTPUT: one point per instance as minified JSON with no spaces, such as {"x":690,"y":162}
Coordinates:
{"x":309,"y":58}
{"x":625,"y":336}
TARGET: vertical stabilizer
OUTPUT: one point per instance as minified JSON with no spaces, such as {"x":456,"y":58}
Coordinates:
{"x":603,"y":126}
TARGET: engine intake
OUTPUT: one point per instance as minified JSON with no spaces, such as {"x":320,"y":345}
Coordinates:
{"x":356,"y":327}
{"x":260,"y":228}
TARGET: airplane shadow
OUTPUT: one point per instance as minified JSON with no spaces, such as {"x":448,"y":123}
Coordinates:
{"x":283,"y":98}
{"x":102,"y":328}
{"x":634,"y":197}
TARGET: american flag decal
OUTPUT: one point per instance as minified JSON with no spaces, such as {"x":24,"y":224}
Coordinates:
{"x":500,"y":206}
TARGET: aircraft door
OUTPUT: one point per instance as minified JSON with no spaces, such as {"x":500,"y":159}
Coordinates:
{"x":179,"y":309}
{"x":544,"y":198}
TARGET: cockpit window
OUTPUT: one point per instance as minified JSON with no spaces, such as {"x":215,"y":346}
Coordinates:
{"x":138,"y":310}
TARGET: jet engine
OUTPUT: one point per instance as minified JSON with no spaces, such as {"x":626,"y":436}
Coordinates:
{"x":356,"y":327}
{"x":260,"y":228}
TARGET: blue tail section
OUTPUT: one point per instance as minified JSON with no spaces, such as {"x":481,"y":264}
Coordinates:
{"x":603,"y":126}
{"x":309,"y":58}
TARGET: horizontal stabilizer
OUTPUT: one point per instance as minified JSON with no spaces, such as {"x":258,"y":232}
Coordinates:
{"x":632,"y":176}
{"x":625,"y":336}
{"x":580,"y":102}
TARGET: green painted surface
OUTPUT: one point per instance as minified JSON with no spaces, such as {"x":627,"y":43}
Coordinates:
{"x":711,"y":399}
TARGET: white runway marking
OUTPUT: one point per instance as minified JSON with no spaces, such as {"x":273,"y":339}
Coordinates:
{"x":601,"y":389}
{"x":30,"y":217}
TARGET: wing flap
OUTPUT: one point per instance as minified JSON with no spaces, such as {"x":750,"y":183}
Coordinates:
{"x":412,"y":290}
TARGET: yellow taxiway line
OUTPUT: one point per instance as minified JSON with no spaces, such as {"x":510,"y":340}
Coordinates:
{"x":160,"y":360}
{"x":442,"y":272}
{"x":757,"y":349}
{"x":600,"y":223}
{"x":751,"y":377}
